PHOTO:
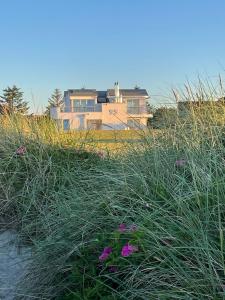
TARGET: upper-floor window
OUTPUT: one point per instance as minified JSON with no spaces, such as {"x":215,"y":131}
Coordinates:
{"x":83,"y":105}
{"x":132,"y":102}
{"x":133,"y":106}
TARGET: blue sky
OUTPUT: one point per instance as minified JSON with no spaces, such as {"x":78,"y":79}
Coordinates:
{"x":157,"y":44}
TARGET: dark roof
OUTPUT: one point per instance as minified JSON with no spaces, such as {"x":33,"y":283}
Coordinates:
{"x":129,"y":92}
{"x":108,"y":93}
{"x":82,"y":92}
{"x":102,"y":94}
{"x":102,"y":97}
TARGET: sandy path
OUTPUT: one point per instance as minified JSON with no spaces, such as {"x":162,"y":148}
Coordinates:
{"x":13,"y":262}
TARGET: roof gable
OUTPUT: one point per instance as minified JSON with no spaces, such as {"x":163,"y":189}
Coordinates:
{"x":129,"y":92}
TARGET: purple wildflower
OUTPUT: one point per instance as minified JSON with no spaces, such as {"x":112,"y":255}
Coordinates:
{"x":128,"y":249}
{"x":21,"y":150}
{"x":105,"y":253}
{"x":122,"y":227}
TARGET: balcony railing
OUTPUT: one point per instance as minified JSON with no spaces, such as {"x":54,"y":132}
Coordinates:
{"x":95,"y":108}
{"x":136,"y":110}
{"x":132,"y":110}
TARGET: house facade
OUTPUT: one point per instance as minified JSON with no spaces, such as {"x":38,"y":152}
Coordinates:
{"x":112,"y":109}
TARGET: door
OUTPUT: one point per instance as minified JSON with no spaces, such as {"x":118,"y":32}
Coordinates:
{"x":81,"y":121}
{"x":66,"y":124}
{"x":94,"y":124}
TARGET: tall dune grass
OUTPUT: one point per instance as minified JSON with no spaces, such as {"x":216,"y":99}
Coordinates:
{"x":67,"y":201}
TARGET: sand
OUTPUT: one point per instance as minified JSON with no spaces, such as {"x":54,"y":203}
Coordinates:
{"x":13,"y":264}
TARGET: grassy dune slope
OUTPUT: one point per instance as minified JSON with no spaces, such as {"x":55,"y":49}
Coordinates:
{"x":68,"y":202}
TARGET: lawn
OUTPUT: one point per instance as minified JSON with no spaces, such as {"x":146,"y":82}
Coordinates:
{"x":147,"y":223}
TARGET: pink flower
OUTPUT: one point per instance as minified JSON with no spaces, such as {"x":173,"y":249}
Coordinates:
{"x":105,"y":253}
{"x":101,"y":154}
{"x":122,"y":227}
{"x":180,"y":162}
{"x":113,"y":269}
{"x":21,"y":150}
{"x":128,"y":249}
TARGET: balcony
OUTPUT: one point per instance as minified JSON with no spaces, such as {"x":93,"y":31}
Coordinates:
{"x":131,"y":110}
{"x":136,"y":110}
{"x":83,"y":109}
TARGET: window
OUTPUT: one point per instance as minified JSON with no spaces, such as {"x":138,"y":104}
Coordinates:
{"x":83,"y":105}
{"x":133,"y":102}
{"x":90,"y":105}
{"x":133,"y":106}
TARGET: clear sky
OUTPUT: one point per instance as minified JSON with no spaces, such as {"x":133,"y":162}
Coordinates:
{"x":157,"y":44}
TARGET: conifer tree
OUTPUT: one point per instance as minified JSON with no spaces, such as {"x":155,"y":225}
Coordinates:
{"x":56,"y":99}
{"x":12,"y":101}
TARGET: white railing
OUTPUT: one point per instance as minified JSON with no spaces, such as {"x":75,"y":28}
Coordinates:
{"x":132,"y":110}
{"x":136,"y":110}
{"x":95,"y":108}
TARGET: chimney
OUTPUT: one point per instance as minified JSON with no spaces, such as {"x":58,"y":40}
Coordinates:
{"x":117,"y":91}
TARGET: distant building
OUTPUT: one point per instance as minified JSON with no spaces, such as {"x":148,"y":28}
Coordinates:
{"x":112,"y":109}
{"x":186,"y":107}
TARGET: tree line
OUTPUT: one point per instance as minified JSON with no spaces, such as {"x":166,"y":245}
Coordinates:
{"x":163,"y":116}
{"x":12,"y":101}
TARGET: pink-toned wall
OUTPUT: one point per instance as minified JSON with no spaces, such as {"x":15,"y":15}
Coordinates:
{"x":113,"y":115}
